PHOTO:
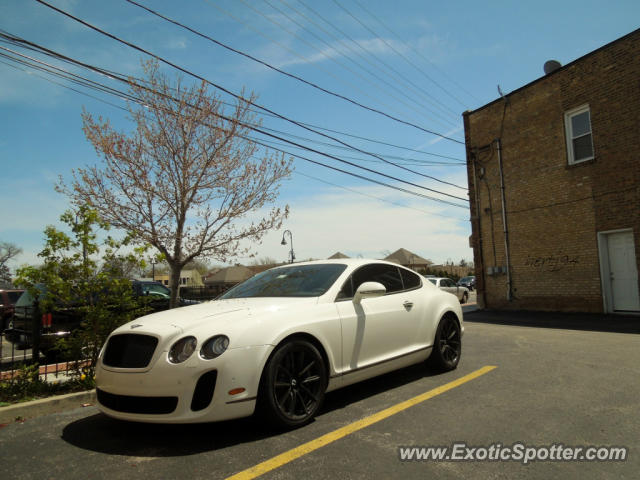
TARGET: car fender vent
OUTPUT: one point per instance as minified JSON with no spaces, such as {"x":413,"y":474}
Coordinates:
{"x":203,"y":393}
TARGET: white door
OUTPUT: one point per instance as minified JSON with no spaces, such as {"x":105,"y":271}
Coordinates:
{"x":623,"y":272}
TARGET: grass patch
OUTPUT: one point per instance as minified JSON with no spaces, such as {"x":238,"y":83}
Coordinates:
{"x":26,"y":385}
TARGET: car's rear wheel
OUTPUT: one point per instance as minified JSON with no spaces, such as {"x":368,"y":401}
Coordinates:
{"x":447,"y":346}
{"x":293,"y":384}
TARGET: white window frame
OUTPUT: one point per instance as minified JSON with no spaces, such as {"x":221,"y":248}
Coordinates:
{"x":569,"y":134}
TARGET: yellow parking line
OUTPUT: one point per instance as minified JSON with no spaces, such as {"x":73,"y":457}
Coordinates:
{"x":330,"y":437}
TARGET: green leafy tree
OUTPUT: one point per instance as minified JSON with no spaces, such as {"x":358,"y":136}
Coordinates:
{"x":85,"y":275}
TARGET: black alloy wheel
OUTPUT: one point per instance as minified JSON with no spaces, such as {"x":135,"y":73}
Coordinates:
{"x":294,"y":384}
{"x":447,"y":346}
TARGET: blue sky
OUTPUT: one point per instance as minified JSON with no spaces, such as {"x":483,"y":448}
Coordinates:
{"x":422,"y":62}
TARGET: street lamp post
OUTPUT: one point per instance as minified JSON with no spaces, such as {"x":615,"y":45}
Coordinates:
{"x":284,"y":242}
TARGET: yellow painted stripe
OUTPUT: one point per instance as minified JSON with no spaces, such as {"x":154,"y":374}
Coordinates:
{"x":330,"y":437}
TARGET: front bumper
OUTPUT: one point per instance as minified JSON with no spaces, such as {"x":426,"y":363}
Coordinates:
{"x":196,"y":390}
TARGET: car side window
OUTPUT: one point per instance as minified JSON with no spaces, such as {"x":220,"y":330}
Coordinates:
{"x":409,"y":279}
{"x":387,"y":275}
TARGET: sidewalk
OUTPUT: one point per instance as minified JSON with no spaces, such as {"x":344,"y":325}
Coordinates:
{"x":597,"y":322}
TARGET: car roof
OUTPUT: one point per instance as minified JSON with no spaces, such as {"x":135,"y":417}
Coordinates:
{"x":351,"y":262}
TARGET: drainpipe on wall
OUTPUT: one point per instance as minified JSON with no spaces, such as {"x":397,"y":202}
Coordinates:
{"x":478,"y":237}
{"x":504,"y":222}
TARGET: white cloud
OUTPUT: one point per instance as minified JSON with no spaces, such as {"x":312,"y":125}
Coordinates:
{"x":356,"y":225}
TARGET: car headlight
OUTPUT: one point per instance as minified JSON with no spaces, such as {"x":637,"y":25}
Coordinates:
{"x":214,"y":347}
{"x":182,"y":349}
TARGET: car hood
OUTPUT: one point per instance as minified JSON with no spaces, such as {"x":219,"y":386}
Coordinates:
{"x":229,"y":317}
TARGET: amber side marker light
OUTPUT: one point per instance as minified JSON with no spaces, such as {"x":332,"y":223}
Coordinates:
{"x":236,"y":391}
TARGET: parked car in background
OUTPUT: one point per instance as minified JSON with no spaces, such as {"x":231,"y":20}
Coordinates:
{"x":448,"y":285}
{"x":469,"y":282}
{"x":276,"y":343}
{"x":8,"y":299}
{"x":157,"y":295}
{"x":63,"y":319}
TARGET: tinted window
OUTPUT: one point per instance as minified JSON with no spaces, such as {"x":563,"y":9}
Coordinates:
{"x":155,"y":289}
{"x":293,"y":281}
{"x":433,"y":280}
{"x":387,"y":275}
{"x":409,"y":279}
{"x":14,"y":296}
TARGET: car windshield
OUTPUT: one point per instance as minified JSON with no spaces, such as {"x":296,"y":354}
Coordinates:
{"x":156,"y":290}
{"x":292,"y":281}
{"x":14,"y":296}
{"x":432,"y":280}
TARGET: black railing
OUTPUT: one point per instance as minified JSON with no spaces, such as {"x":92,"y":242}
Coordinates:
{"x":21,"y":345}
{"x":202,"y":293}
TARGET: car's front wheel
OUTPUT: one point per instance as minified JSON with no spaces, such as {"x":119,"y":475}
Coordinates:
{"x":447,"y":346}
{"x":293,"y":384}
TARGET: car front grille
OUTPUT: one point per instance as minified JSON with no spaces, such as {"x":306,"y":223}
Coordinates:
{"x":131,"y":404}
{"x":129,"y":350}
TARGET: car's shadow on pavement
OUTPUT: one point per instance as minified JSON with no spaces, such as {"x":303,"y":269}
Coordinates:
{"x":100,"y":433}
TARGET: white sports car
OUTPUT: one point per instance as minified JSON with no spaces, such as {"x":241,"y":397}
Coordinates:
{"x":276,"y":343}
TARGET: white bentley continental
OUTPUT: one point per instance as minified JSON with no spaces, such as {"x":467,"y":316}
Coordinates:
{"x":276,"y":343}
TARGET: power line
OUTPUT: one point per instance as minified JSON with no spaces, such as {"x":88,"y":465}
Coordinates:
{"x":461,"y":161}
{"x":424,"y":107}
{"x":412,"y":86}
{"x":325,"y":144}
{"x":258,"y":130}
{"x":345,"y":45}
{"x":376,"y":198}
{"x":395,"y":50}
{"x":355,"y":102}
{"x":386,"y":43}
{"x":417,"y":52}
{"x":240,"y":98}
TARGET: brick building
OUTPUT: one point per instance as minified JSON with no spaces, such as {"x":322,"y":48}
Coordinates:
{"x":554,"y":183}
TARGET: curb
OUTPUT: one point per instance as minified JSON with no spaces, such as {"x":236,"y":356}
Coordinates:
{"x":46,"y":406}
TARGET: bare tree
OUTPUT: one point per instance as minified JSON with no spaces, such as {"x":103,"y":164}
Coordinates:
{"x":7,"y":252}
{"x":186,"y":179}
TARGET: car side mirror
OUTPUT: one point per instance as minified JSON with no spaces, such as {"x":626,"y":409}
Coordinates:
{"x":369,"y":290}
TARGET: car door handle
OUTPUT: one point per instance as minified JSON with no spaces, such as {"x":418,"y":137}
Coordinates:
{"x":408,"y":305}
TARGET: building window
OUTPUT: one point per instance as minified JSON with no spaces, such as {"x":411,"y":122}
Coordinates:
{"x":577,"y":123}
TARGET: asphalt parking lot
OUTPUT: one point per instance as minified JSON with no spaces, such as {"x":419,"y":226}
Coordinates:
{"x":552,"y":384}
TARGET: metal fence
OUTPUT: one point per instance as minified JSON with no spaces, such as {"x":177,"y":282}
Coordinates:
{"x":20,"y":346}
{"x":204,"y":293}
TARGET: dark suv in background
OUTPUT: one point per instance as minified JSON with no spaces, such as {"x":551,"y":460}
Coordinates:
{"x":64,"y":319}
{"x":469,"y":282}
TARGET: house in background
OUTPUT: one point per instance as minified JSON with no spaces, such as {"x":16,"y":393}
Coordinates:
{"x":225,"y":278}
{"x":554,"y":185}
{"x":188,"y":278}
{"x":408,"y":259}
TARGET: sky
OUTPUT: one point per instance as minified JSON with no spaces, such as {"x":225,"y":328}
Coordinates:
{"x":400,"y":75}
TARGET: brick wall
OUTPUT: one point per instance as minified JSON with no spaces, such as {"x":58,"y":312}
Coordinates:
{"x":554,"y":210}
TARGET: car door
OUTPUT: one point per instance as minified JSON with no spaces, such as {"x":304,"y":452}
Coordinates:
{"x":450,"y":287}
{"x":377,"y":329}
